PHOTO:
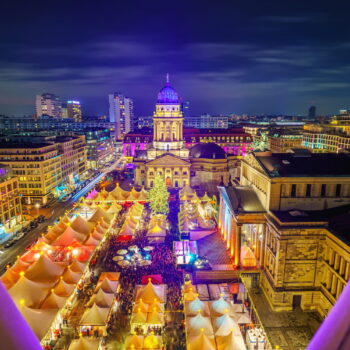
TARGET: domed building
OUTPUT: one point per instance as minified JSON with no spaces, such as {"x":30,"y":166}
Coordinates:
{"x":203,"y":165}
{"x":209,"y":166}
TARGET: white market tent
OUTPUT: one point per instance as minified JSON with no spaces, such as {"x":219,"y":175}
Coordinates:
{"x":54,"y":301}
{"x":152,"y":342}
{"x":142,"y":306}
{"x":44,"y":270}
{"x":27,"y":292}
{"x":201,"y":341}
{"x":107,"y":286}
{"x":193,"y":307}
{"x":95,"y":316}
{"x":155,"y":317}
{"x":40,"y":320}
{"x":230,"y":342}
{"x":13,"y":324}
{"x":150,"y":292}
{"x":81,"y":225}
{"x":63,"y":288}
{"x":195,"y":324}
{"x":134,"y":342}
{"x":220,"y":307}
{"x":84,"y":344}
{"x":156,"y":231}
{"x":223,"y":325}
{"x":139,"y":317}
{"x":101,"y":299}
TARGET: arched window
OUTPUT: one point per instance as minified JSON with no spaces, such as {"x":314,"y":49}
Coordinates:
{"x":151,"y":184}
{"x":176,"y":183}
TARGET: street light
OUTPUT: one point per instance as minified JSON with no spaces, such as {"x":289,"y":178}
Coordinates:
{"x":37,"y":206}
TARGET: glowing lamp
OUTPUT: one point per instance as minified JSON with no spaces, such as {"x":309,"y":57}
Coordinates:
{"x":21,"y":302}
{"x":75,"y":252}
{"x":22,"y":273}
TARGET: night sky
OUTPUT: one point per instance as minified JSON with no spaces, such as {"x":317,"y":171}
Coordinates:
{"x":255,"y":57}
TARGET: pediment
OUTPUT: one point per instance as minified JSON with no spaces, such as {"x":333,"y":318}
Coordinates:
{"x":254,"y":163}
{"x":168,"y":159}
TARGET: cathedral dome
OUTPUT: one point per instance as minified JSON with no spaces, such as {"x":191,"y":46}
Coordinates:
{"x":208,"y":151}
{"x":168,"y":94}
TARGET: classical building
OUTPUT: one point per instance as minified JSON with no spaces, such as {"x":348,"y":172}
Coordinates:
{"x":167,"y":156}
{"x":202,"y":165}
{"x":234,"y":141}
{"x":266,"y":221}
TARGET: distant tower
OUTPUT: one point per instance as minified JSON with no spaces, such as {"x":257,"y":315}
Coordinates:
{"x":121,"y":112}
{"x":74,"y":110}
{"x":168,"y":120}
{"x":312,"y":112}
{"x":48,"y":104}
{"x":185,"y":109}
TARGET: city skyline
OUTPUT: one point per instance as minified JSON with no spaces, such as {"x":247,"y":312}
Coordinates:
{"x":229,"y":59}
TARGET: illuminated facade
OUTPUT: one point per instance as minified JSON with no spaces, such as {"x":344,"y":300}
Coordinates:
{"x":332,"y":137}
{"x":37,"y":167}
{"x":121,"y":113}
{"x":48,"y":104}
{"x":74,"y":110}
{"x":73,"y":156}
{"x":10,"y":200}
{"x":168,"y":155}
{"x":234,"y":141}
{"x":303,"y":254}
{"x":43,"y":166}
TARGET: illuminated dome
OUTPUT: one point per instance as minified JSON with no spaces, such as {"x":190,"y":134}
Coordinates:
{"x":208,"y":150}
{"x":167,"y":94}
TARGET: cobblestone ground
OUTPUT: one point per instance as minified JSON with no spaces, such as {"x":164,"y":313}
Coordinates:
{"x":290,"y":330}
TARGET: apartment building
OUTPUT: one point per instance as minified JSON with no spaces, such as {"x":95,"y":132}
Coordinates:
{"x":37,"y":167}
{"x":10,"y":200}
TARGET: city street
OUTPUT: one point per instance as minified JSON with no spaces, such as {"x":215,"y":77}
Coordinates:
{"x":10,"y":254}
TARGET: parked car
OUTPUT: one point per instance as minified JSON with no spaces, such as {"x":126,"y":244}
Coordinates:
{"x":18,"y":236}
{"x":10,"y":243}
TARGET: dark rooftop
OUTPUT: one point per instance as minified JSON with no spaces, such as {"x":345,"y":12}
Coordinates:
{"x":336,"y":219}
{"x":21,"y":145}
{"x":304,"y":165}
{"x":244,"y":199}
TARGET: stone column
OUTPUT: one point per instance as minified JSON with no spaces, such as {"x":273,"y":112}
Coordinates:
{"x":233,"y":237}
{"x":238,"y":245}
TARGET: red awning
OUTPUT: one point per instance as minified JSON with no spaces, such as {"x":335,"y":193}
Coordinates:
{"x":155,"y":279}
{"x":124,"y":238}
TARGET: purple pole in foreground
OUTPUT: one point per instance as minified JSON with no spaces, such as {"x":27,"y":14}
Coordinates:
{"x":334,"y":332}
{"x":15,"y":333}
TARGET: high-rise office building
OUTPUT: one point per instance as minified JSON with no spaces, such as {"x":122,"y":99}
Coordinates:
{"x":185,"y":108}
{"x":74,"y":110}
{"x":48,"y":104}
{"x":312,"y":112}
{"x":121,"y":112}
{"x":64,"y":110}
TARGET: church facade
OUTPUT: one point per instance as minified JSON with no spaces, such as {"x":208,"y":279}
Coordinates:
{"x":168,"y":156}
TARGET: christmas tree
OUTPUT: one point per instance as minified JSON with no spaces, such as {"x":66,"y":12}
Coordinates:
{"x":158,"y":196}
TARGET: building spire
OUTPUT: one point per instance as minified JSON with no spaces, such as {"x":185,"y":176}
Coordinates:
{"x":167,"y":78}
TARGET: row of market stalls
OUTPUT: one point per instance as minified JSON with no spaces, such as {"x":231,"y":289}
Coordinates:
{"x":44,"y":281}
{"x":117,"y":195}
{"x":196,"y":213}
{"x":147,"y":315}
{"x":97,"y":314}
{"x":157,"y":228}
{"x":132,"y":221}
{"x":217,"y":324}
